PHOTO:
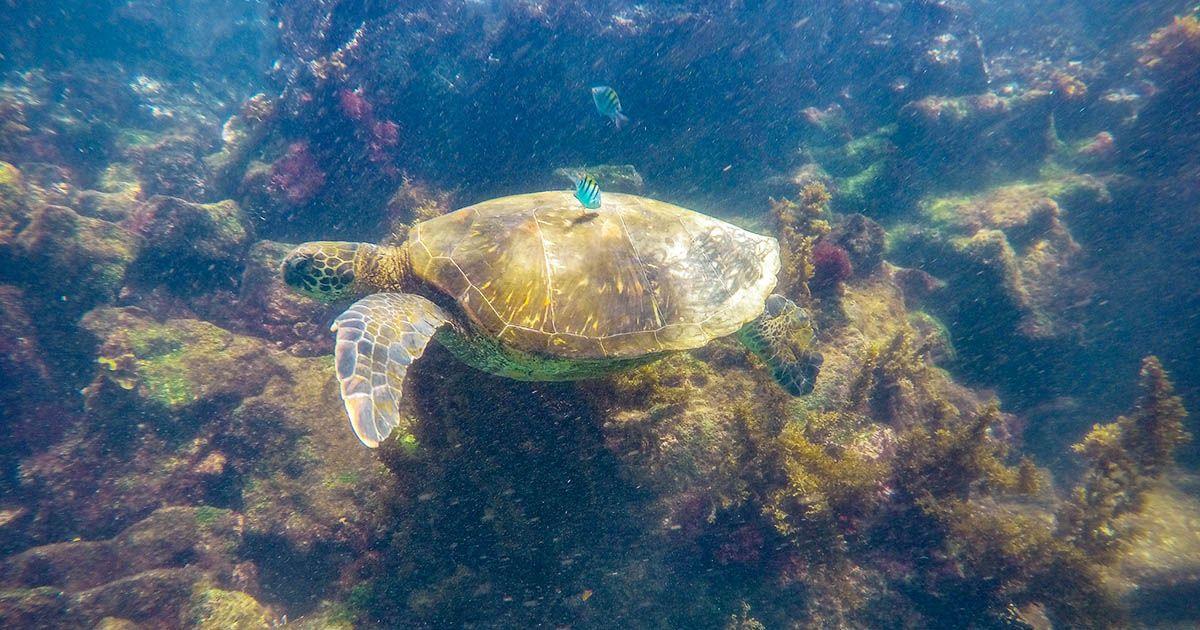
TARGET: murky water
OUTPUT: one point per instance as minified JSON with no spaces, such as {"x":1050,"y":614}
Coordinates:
{"x":665,"y":315}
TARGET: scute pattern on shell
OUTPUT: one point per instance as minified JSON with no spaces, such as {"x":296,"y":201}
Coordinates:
{"x":639,"y":277}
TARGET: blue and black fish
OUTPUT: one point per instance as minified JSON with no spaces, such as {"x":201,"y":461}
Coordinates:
{"x":608,"y":104}
{"x":587,"y":191}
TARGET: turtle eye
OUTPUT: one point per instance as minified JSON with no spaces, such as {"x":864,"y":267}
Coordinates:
{"x":299,"y":265}
{"x":297,"y":269}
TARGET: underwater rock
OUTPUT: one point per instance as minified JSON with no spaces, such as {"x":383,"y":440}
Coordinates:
{"x":117,"y":195}
{"x":215,"y":609}
{"x":863,"y":239}
{"x":414,"y":201}
{"x":74,"y":261}
{"x":1162,"y":559}
{"x":205,"y":416}
{"x":676,"y":425}
{"x":240,"y":136}
{"x":268,"y":308}
{"x":155,"y":597}
{"x":867,"y":173}
{"x":1163,"y":137}
{"x":12,"y":190}
{"x":31,"y":608}
{"x":972,"y":139}
{"x":14,"y":213}
{"x":191,"y":247}
{"x":147,"y":573}
{"x":406,"y":61}
{"x":32,"y":400}
{"x":1014,"y":274}
{"x":697,"y":430}
{"x":204,"y":537}
{"x":170,"y":165}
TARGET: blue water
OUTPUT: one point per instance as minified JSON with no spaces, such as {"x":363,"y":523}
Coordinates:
{"x":987,"y":215}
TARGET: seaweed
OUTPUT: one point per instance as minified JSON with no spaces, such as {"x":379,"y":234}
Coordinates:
{"x":1125,"y":459}
{"x":798,"y":226}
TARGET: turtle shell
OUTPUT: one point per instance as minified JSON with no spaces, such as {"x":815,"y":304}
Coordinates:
{"x":638,"y":276}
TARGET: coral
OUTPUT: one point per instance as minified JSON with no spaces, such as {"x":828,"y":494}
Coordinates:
{"x":354,"y":105}
{"x":1099,"y":149}
{"x":191,"y":247}
{"x":1125,"y":458}
{"x":1069,"y":87}
{"x":798,"y":226}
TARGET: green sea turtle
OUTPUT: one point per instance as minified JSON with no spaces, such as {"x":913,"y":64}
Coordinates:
{"x":534,"y":287}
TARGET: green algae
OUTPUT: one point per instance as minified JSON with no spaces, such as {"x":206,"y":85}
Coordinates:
{"x":163,"y":363}
{"x":216,"y":609}
{"x":10,"y":180}
{"x":208,"y":515}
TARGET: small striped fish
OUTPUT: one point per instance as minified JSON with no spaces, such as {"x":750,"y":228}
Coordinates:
{"x":608,"y":104}
{"x":587,"y":191}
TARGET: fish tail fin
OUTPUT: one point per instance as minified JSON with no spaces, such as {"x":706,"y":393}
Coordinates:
{"x":620,"y":119}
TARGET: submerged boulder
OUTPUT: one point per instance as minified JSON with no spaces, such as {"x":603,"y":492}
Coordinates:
{"x":205,"y":416}
{"x":78,"y":260}
{"x":971,"y":139}
{"x":158,"y":571}
{"x":1014,"y":275}
{"x":189,"y":246}
{"x":267,"y":307}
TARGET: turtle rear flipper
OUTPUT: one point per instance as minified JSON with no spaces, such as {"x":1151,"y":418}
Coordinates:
{"x":779,"y":337}
{"x":378,"y":338}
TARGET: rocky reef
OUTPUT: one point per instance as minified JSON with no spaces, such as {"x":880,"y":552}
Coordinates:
{"x":995,"y":254}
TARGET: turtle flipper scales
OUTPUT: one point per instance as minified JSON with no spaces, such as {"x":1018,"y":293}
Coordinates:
{"x":378,"y":338}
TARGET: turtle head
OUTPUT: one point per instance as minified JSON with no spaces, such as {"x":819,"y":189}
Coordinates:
{"x":325,"y":270}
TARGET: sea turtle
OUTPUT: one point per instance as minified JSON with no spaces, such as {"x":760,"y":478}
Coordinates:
{"x":535,"y":287}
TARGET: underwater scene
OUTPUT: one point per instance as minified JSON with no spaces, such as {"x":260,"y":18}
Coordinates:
{"x":729,"y":314}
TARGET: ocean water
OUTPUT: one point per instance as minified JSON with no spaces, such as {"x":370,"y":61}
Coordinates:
{"x":968,"y":408}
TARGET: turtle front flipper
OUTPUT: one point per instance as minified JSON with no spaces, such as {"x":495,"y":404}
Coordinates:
{"x":780,"y":337}
{"x":378,"y":338}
